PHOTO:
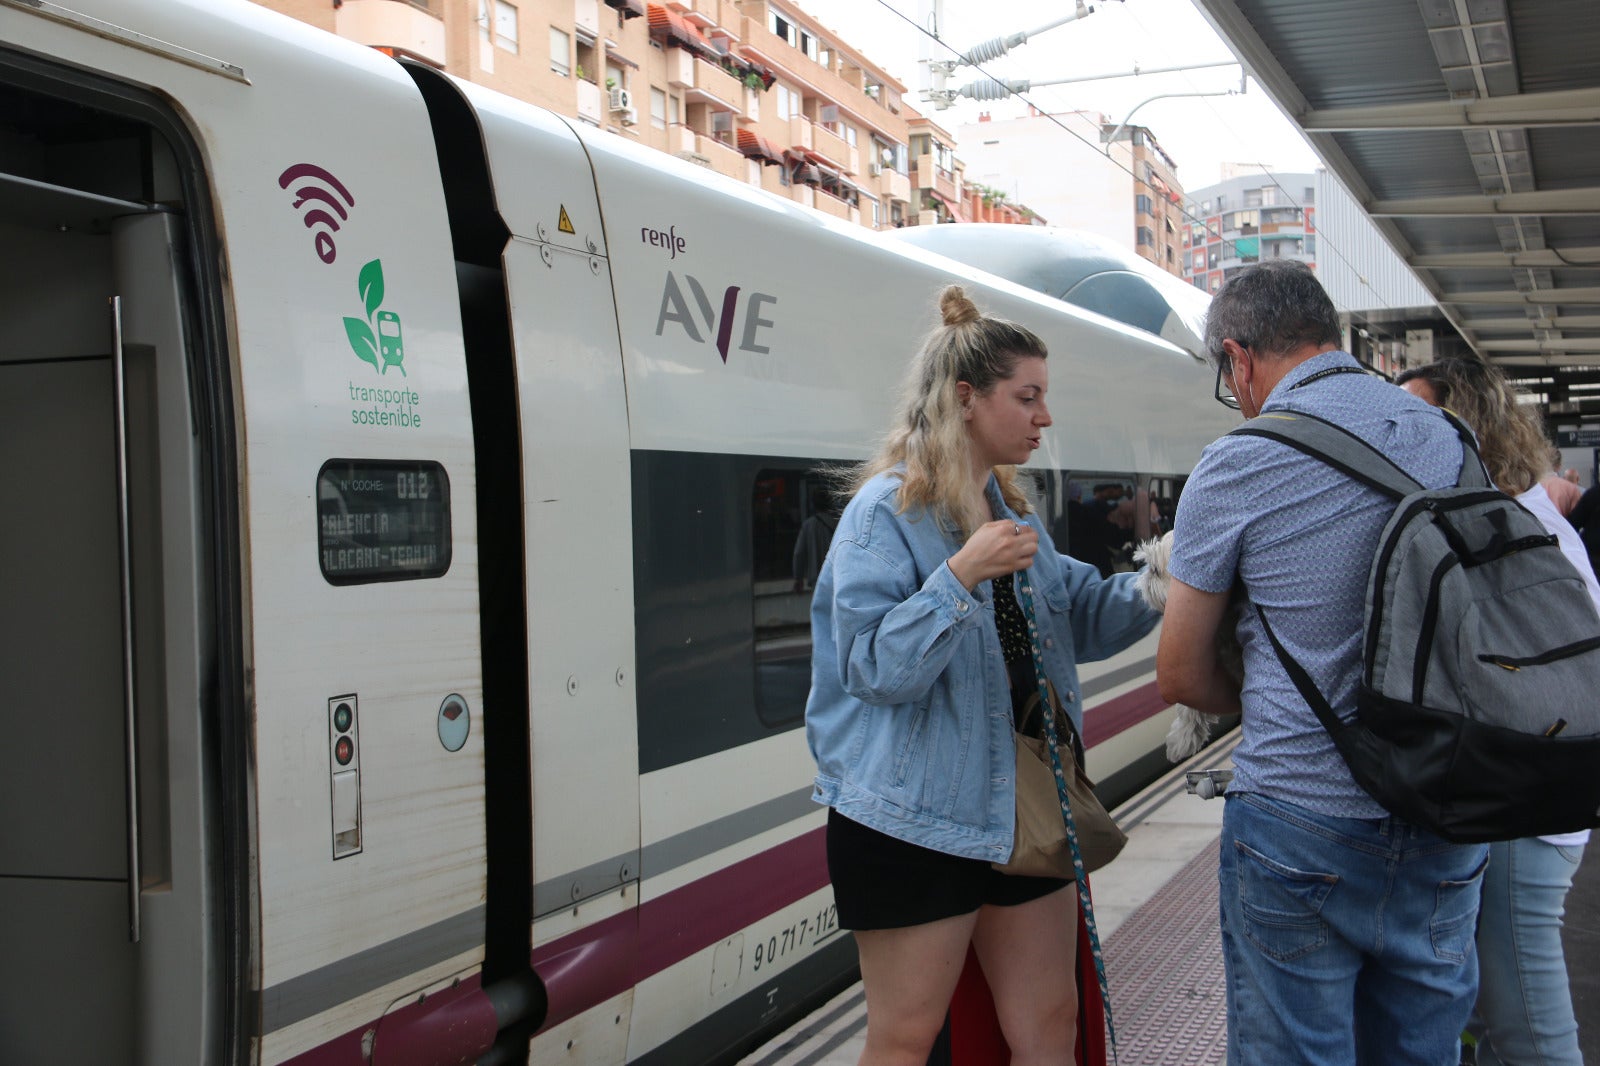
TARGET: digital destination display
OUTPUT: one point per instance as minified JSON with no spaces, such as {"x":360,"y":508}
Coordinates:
{"x":382,"y":520}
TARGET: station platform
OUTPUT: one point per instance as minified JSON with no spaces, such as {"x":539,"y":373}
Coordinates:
{"x":1156,"y":906}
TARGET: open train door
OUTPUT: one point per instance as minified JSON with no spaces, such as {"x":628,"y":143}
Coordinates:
{"x":120,"y":655}
{"x":239,"y":597}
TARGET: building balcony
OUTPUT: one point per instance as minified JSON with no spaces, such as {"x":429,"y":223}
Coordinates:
{"x":895,"y":185}
{"x":725,"y":159}
{"x":392,"y":24}
{"x":591,"y":102}
{"x":829,"y":204}
{"x":707,"y":13}
{"x":714,"y":86}
{"x":832,"y":147}
{"x":800,"y":132}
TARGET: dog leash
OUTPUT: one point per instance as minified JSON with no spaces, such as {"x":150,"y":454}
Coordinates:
{"x":1085,"y":904}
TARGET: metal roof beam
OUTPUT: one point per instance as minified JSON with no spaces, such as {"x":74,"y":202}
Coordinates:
{"x":1522,"y":324}
{"x":1563,"y":344}
{"x":1531,"y":257}
{"x":1541,"y":202}
{"x":1563,"y":107}
{"x":1548,"y":360}
{"x":1539,"y":297}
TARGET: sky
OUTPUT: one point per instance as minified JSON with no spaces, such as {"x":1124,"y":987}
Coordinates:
{"x":1199,"y":133}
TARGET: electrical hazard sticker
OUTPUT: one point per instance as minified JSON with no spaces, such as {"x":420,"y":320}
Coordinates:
{"x":565,"y":225}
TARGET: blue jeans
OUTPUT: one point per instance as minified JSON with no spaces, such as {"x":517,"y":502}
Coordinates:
{"x":1345,"y":940}
{"x":1524,"y":1001}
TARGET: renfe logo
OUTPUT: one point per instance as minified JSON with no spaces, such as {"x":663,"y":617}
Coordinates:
{"x":668,"y":240}
{"x":674,"y":308}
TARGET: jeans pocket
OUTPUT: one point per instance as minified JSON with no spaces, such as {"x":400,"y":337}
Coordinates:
{"x":1573,"y":853}
{"x":1455,"y":915}
{"x":1282,"y":906}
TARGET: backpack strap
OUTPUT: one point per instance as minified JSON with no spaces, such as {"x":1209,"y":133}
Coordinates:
{"x":1354,"y":457}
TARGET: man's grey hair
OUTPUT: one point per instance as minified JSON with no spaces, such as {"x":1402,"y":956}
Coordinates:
{"x":1272,"y":308}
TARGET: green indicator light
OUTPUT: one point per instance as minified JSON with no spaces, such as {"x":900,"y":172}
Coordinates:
{"x":341,"y":717}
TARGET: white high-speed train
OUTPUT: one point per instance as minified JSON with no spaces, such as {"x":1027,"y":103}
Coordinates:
{"x":404,"y":641}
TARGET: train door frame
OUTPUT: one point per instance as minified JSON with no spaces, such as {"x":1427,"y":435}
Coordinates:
{"x":198,"y":929}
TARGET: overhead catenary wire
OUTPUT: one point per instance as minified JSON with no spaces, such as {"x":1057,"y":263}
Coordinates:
{"x":959,"y":58}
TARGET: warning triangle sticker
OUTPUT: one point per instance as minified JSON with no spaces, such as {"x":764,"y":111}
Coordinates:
{"x":565,"y":225}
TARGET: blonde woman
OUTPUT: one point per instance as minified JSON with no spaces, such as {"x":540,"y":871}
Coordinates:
{"x":1523,"y":998}
{"x":917,"y":635}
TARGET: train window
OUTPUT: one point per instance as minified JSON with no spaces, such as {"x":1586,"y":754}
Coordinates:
{"x":793,"y":519}
{"x":382,"y":520}
{"x":1101,"y":518}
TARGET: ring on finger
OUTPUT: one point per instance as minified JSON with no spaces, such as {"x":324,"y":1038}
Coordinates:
{"x":1018,"y":527}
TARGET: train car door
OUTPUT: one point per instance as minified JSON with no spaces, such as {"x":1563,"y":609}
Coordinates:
{"x":108,"y":884}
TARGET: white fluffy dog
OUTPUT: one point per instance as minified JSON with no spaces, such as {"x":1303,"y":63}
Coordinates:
{"x":1190,"y":729}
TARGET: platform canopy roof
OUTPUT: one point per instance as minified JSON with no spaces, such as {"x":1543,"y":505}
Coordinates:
{"x":1470,"y":131}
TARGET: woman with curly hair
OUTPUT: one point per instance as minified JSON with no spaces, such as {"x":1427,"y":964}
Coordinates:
{"x":1524,"y":1001}
{"x":917,"y":636}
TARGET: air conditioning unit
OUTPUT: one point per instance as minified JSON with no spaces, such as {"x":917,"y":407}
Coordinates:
{"x":621,"y":100}
{"x":629,"y":117}
{"x":874,"y":169}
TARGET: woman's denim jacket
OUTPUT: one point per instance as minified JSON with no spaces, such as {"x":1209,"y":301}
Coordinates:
{"x":909,"y":717}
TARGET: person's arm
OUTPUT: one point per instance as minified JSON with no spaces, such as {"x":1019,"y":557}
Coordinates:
{"x":1563,"y":493}
{"x":1188,"y":670}
{"x":894,"y":638}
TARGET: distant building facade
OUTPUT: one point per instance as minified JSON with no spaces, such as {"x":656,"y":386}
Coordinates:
{"x":1245,"y":219}
{"x":1060,"y":167}
{"x":756,"y":90}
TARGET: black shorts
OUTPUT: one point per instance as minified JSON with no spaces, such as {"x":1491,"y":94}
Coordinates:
{"x":880,"y":882}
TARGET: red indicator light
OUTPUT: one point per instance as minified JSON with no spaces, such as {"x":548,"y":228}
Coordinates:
{"x":344,"y":750}
{"x":453,"y":711}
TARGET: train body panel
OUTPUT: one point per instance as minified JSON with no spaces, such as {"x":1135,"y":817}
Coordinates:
{"x":472,"y":452}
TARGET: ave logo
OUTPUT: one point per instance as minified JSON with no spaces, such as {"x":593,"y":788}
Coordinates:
{"x":719,"y":321}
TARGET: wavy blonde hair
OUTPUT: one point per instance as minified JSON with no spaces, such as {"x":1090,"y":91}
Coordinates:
{"x":1510,"y":434}
{"x":928,"y":433}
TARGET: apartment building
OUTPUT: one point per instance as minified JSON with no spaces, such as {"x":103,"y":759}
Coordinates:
{"x":1245,"y":218}
{"x":1157,"y":197}
{"x":756,"y":90}
{"x":1063,"y":167}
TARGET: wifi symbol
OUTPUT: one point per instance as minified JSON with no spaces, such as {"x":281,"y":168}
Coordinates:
{"x":322,"y":193}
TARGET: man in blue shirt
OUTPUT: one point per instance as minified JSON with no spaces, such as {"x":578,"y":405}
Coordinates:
{"x":1347,"y":933}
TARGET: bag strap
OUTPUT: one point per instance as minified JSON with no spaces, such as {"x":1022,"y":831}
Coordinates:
{"x":1085,"y":903}
{"x":1308,"y":688}
{"x":1354,"y":457}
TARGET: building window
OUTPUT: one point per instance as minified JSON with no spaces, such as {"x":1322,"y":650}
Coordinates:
{"x":497,"y":20}
{"x":674,"y":110}
{"x":658,"y":109}
{"x":560,"y":52}
{"x":1141,"y":204}
{"x":1145,"y":237}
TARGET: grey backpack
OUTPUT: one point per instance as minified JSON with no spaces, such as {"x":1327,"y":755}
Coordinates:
{"x":1478,"y":715}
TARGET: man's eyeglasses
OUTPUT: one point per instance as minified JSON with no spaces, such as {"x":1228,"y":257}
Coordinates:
{"x":1225,"y":396}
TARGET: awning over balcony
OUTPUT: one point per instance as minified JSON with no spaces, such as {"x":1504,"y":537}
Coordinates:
{"x":800,"y":169}
{"x":631,"y":9}
{"x":755,"y":146}
{"x":949,"y":203}
{"x":672,"y":29}
{"x":616,"y":56}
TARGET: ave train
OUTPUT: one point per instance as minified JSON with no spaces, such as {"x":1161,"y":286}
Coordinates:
{"x":405,"y":635}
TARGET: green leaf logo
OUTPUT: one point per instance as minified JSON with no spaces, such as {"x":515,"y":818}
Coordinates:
{"x":363,"y":340}
{"x":370,"y":282}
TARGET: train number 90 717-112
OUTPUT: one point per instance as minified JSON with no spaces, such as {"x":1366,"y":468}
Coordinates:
{"x":805,"y":934}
